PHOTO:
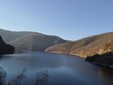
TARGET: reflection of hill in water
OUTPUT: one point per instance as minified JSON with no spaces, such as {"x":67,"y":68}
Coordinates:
{"x":106,"y":74}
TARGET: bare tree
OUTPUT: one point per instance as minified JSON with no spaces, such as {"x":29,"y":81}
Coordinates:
{"x":42,"y":78}
{"x":3,"y":76}
{"x":18,"y":79}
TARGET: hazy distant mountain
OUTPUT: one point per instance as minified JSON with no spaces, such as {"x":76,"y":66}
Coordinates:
{"x":32,"y":41}
{"x":98,"y":44}
{"x":8,"y":36}
{"x":36,"y":41}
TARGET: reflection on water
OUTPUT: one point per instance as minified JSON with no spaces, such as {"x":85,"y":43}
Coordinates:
{"x":106,"y":75}
{"x":62,"y":69}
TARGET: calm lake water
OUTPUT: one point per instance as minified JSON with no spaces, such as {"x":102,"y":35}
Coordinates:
{"x":62,"y":69}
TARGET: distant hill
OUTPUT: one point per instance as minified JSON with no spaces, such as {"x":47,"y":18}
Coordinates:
{"x":98,"y":44}
{"x":36,"y":41}
{"x":31,"y":41}
{"x":8,"y":36}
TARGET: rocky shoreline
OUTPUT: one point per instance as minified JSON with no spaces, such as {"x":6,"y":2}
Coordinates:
{"x":105,"y":60}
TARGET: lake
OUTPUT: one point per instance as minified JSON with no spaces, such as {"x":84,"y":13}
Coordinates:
{"x":61,"y":69}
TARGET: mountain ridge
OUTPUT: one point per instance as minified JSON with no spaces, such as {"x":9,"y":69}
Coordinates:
{"x":26,"y":40}
{"x":88,"y":46}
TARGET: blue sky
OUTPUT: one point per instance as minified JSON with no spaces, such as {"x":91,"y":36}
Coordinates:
{"x":69,"y":19}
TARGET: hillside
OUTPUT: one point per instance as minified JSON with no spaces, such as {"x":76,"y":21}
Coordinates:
{"x":8,"y":36}
{"x":36,"y":42}
{"x":5,"y":48}
{"x":98,"y":44}
{"x":32,"y":41}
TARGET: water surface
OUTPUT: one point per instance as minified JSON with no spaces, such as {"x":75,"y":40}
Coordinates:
{"x":62,"y":69}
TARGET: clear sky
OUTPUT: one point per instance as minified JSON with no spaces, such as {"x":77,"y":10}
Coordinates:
{"x":69,"y":19}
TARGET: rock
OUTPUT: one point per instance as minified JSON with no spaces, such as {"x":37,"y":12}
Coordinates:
{"x":6,"y":48}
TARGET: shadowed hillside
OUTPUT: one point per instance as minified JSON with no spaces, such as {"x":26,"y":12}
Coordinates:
{"x":5,"y":48}
{"x":98,"y":44}
{"x":103,"y":60}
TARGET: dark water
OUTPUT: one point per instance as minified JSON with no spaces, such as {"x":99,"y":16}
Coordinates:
{"x":62,"y":69}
